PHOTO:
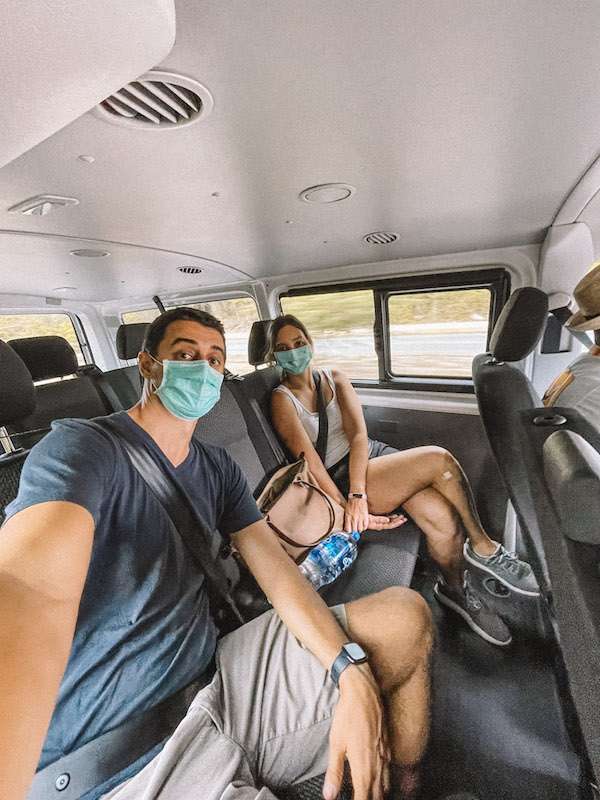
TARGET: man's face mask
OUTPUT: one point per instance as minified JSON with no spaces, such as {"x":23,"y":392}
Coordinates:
{"x":294,"y":361}
{"x":189,"y":389}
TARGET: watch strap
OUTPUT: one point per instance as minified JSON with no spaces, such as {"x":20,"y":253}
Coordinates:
{"x":341,"y":662}
{"x":358,"y":495}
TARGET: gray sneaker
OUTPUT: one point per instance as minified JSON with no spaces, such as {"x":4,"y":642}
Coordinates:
{"x":474,"y":611}
{"x":506,"y":568}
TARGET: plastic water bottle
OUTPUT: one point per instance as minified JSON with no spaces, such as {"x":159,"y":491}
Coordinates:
{"x":330,"y":558}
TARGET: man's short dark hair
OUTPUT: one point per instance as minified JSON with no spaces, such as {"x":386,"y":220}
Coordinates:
{"x":156,"y":330}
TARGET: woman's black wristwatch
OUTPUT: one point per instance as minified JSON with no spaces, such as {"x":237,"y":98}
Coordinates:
{"x":352,"y":653}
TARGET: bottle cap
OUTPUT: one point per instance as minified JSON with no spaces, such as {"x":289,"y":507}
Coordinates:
{"x":355,"y":535}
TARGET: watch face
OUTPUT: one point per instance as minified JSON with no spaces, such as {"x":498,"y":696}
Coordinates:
{"x":355,"y":652}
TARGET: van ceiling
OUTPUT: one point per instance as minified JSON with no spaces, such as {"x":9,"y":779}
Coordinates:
{"x":462,"y":125}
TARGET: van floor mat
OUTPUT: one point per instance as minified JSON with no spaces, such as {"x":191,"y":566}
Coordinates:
{"x":498,"y":728}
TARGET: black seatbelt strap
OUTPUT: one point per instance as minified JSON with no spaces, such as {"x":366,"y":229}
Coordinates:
{"x":321,"y":445}
{"x":264,"y":442}
{"x":105,"y":390}
{"x":95,"y":762}
{"x":190,"y":526}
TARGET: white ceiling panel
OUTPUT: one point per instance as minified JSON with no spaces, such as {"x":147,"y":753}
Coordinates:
{"x":59,"y":58}
{"x":45,"y":266}
{"x":462,"y":125}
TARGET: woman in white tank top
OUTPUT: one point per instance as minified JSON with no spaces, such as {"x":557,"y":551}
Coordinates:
{"x":371,"y":480}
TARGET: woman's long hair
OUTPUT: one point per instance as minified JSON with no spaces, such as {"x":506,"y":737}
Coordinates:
{"x":276,"y":326}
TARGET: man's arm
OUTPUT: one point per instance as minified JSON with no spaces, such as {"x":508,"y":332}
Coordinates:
{"x":44,"y":556}
{"x":359,"y":715}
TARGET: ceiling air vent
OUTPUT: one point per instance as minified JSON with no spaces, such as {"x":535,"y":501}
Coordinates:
{"x":190,"y":270}
{"x":156,"y":101}
{"x":380,"y":237}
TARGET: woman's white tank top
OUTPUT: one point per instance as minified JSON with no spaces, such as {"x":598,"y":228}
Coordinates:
{"x":337,"y":442}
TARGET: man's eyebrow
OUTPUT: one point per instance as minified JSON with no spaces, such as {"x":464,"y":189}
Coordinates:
{"x":194,"y":342}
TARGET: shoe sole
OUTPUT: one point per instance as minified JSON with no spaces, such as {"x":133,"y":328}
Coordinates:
{"x":503,"y":581}
{"x":445,"y":601}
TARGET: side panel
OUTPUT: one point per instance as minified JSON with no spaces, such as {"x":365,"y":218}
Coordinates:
{"x":453,"y":425}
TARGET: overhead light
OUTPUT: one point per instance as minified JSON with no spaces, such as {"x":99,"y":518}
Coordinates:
{"x":42,"y":204}
{"x":89,"y":253}
{"x":327,"y":193}
{"x":189,"y":270}
{"x":380,"y":237}
{"x":64,"y":289}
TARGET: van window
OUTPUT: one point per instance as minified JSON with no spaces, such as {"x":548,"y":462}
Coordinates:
{"x":414,"y":332}
{"x":237,"y":315}
{"x":25,"y":326}
{"x":437,"y":333}
{"x":341,"y":325}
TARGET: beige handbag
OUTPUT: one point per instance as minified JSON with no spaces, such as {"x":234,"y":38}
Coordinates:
{"x":298,"y":510}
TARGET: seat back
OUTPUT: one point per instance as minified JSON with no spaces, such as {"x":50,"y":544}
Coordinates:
{"x":17,"y":399}
{"x":503,"y":391}
{"x":70,"y":393}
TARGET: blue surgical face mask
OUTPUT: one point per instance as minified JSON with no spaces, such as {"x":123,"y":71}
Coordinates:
{"x":294,"y":361}
{"x":189,"y":389}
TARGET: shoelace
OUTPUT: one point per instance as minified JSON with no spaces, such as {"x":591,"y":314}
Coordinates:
{"x":509,"y":560}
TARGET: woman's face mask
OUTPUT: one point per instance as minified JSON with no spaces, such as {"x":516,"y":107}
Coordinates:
{"x":189,"y":389}
{"x":294,"y":361}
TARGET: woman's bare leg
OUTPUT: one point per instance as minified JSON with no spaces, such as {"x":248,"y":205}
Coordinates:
{"x":441,"y":524}
{"x":393,"y":479}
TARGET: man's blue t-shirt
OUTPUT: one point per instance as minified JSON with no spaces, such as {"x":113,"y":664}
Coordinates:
{"x":144,"y":629}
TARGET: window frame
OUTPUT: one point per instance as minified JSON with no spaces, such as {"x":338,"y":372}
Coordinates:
{"x":78,"y":327}
{"x":496,"y":279}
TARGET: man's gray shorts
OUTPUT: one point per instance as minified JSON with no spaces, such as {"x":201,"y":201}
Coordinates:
{"x":264,"y":720}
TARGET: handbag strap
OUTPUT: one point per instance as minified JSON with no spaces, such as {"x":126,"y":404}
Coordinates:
{"x":193,"y":530}
{"x":321,"y":445}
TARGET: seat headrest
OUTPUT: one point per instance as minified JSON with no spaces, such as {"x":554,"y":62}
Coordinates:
{"x":520,"y":325}
{"x":258,"y":341}
{"x":17,"y":392}
{"x":46,"y":356}
{"x":130,"y":339}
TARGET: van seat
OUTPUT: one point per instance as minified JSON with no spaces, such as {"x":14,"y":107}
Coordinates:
{"x":70,"y":393}
{"x":17,"y":400}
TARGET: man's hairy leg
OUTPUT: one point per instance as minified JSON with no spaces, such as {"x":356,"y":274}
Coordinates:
{"x":395,"y":628}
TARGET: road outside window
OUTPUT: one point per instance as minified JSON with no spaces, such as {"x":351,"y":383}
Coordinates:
{"x":25,"y":326}
{"x":341,"y":325}
{"x":437,"y":334}
{"x":237,"y":315}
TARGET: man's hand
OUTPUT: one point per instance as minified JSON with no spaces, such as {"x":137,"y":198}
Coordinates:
{"x":359,"y":736}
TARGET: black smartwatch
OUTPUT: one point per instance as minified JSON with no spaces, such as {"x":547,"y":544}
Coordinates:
{"x":352,"y":653}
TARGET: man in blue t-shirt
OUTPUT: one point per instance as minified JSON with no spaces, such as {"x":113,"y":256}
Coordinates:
{"x":103,"y":615}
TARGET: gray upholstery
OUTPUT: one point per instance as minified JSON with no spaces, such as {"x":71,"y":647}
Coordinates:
{"x":17,"y":392}
{"x":520,"y":324}
{"x":130,"y":339}
{"x":127,"y":384}
{"x":224,"y":425}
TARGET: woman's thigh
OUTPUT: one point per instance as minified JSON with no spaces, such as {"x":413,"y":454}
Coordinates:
{"x":393,"y":479}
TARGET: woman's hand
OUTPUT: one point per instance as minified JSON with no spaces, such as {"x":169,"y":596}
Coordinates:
{"x":357,"y":515}
{"x":386,"y":522}
{"x":358,"y":518}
